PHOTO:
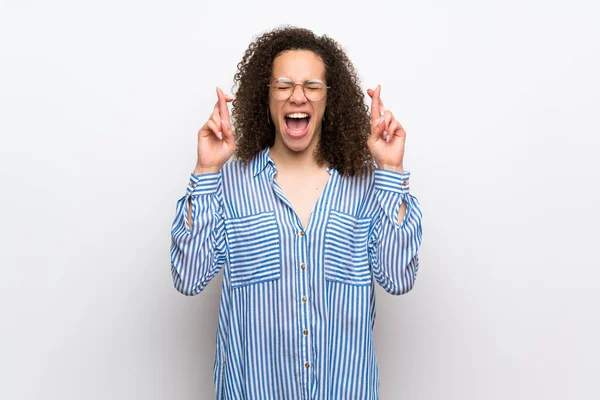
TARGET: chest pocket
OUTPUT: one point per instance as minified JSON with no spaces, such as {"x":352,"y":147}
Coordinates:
{"x":254,"y":251}
{"x":346,"y":249}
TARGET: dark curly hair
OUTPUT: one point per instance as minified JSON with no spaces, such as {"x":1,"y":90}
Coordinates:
{"x":346,"y":124}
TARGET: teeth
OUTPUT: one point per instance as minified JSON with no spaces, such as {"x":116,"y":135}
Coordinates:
{"x":297,"y":115}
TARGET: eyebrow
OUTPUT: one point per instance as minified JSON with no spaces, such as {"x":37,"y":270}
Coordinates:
{"x":282,"y":79}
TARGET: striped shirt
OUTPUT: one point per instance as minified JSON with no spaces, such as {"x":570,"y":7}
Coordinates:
{"x":298,"y":305}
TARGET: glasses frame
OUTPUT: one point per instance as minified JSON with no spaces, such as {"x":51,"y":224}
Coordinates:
{"x":294,"y":88}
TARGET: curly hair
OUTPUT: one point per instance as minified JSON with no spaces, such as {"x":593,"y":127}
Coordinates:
{"x":346,"y":123}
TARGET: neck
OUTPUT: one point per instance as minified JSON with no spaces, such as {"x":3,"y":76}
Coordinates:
{"x":287,"y":159}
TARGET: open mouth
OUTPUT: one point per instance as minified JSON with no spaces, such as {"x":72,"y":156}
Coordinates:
{"x":297,"y":123}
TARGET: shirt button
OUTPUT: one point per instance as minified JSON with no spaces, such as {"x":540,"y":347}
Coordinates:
{"x":307,"y":365}
{"x":303,"y":266}
{"x":192,"y":185}
{"x":304,"y":299}
{"x":404,"y":183}
{"x":301,"y":233}
{"x":305,"y":331}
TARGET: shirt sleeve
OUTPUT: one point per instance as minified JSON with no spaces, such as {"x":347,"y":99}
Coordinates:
{"x":393,"y":247}
{"x":198,"y":252}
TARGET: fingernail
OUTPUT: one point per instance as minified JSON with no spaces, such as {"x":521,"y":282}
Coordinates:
{"x":380,"y":121}
{"x":388,"y":139}
{"x":220,"y":135}
{"x":224,"y":124}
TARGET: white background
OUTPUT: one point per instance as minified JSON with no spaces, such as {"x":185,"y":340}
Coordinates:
{"x":99,"y":108}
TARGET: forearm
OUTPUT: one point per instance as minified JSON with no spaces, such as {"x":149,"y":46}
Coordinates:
{"x":397,"y":232}
{"x":400,"y":170}
{"x":198,"y":241}
{"x":198,"y":171}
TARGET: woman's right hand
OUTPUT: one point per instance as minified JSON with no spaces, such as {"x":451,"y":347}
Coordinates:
{"x":215,"y":139}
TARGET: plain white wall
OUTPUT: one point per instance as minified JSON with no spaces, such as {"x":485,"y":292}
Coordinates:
{"x":99,"y":108}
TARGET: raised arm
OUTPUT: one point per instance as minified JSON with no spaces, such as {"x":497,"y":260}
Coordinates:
{"x":397,"y":232}
{"x":396,"y":236}
{"x":198,"y":249}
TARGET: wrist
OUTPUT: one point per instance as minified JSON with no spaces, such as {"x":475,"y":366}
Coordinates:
{"x":199,"y":170}
{"x":394,"y":168}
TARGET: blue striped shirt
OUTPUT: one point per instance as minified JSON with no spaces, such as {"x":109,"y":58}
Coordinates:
{"x":298,"y":305}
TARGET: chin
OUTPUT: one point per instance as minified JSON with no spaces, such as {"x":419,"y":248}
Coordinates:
{"x":299,"y":145}
{"x":297,"y":149}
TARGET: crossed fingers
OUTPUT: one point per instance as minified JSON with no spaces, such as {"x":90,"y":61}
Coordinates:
{"x":219,"y":122}
{"x":383,"y":123}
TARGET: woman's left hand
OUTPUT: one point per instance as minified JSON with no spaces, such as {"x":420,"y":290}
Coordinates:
{"x":386,"y":142}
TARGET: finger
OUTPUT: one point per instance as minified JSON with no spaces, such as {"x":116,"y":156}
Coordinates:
{"x":381,"y":106}
{"x":400,"y":132}
{"x":216,"y":117}
{"x":223,"y":110}
{"x":378,"y":129}
{"x":225,"y":121}
{"x":223,"y":124}
{"x":378,"y":132}
{"x":380,"y":102}
{"x":227,"y":132}
{"x":214,"y":129}
{"x":375,"y":106}
{"x":392,"y":129}
{"x":387,"y":119}
{"x":370,"y":92}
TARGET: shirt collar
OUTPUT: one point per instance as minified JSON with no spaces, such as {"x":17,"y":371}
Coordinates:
{"x":261,"y":160}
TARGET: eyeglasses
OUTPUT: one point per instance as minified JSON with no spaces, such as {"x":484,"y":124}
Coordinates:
{"x":283,"y":89}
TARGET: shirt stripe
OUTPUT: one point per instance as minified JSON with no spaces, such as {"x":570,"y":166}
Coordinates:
{"x":297,"y":308}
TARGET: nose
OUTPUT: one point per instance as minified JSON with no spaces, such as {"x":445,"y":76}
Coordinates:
{"x":298,"y":94}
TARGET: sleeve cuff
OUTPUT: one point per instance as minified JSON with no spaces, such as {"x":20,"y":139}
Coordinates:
{"x":203,"y":184}
{"x":392,"y":181}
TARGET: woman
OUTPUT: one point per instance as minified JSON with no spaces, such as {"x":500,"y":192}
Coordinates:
{"x":302,"y":221}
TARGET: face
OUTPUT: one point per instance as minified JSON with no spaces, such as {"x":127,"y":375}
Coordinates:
{"x":297,"y":120}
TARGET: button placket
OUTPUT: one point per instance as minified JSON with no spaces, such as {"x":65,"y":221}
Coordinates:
{"x":305,"y":309}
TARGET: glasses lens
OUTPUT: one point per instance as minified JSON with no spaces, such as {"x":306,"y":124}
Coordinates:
{"x":314,"y":91}
{"x":282,"y":90}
